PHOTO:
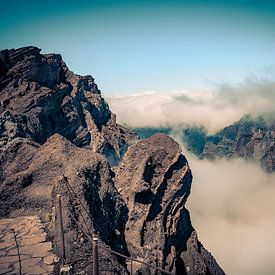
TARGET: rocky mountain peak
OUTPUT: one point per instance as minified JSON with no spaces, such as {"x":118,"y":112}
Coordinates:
{"x":59,"y":139}
{"x":27,"y":64}
{"x":40,"y":96}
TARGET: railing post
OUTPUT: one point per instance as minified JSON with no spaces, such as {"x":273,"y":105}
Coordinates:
{"x":131,"y":267}
{"x":61,"y":228}
{"x":95,"y":257}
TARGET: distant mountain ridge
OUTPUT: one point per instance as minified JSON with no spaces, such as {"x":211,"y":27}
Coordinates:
{"x":249,"y":138}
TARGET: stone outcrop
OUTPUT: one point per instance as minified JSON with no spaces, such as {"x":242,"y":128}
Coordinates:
{"x":40,"y":96}
{"x":138,"y":210}
{"x":154,"y":180}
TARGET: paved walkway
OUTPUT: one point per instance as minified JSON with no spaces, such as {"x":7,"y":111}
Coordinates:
{"x":26,"y":236}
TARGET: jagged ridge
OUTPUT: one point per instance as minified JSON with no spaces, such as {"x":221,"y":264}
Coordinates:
{"x":40,"y":96}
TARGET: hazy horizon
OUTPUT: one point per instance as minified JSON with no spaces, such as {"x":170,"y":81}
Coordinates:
{"x":135,"y":46}
{"x":213,"y":109}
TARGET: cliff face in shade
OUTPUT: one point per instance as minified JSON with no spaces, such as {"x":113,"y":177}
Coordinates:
{"x":40,"y":96}
{"x":154,"y":180}
{"x":58,"y":137}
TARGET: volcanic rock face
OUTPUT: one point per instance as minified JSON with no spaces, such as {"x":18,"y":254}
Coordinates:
{"x":40,"y":96}
{"x":154,"y":180}
{"x":55,"y":168}
{"x":56,"y":134}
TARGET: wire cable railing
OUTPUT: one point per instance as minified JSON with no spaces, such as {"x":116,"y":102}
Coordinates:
{"x":94,"y":241}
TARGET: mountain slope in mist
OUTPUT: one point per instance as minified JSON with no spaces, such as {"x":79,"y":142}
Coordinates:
{"x":212,"y":110}
{"x":248,"y":138}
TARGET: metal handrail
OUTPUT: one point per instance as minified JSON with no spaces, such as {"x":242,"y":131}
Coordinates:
{"x":79,"y":201}
{"x":135,"y":260}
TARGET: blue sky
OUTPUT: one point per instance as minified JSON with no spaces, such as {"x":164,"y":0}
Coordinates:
{"x":135,"y":46}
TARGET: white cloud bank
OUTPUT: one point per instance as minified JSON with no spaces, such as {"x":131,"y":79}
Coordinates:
{"x":212,"y":109}
{"x":232,"y":208}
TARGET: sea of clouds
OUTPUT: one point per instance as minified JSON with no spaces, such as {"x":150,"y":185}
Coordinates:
{"x":213,"y":109}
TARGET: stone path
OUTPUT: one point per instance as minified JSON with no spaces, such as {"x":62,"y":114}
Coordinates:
{"x":26,"y":235}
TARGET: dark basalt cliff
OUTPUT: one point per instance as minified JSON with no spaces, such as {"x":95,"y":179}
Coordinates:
{"x":58,"y":137}
{"x":40,"y":96}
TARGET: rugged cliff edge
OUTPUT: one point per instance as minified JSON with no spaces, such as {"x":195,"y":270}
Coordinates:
{"x":35,"y":174}
{"x":154,"y":180}
{"x":58,"y":137}
{"x":40,"y":96}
